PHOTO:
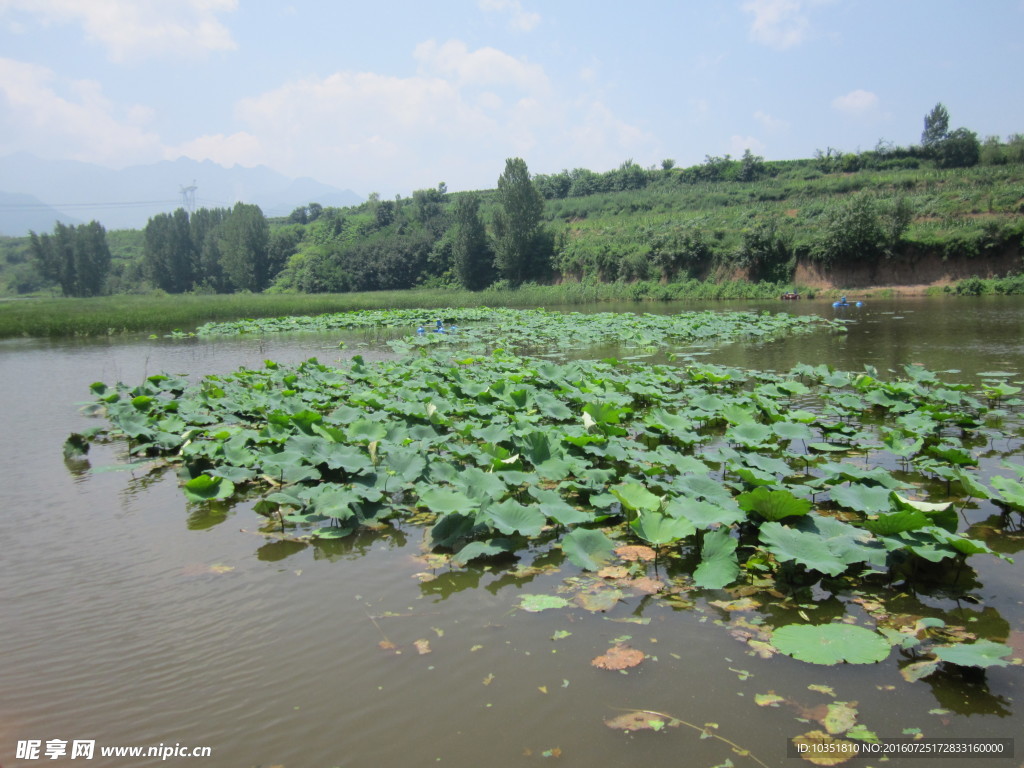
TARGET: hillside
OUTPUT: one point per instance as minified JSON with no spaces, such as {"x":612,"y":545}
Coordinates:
{"x":891,"y":218}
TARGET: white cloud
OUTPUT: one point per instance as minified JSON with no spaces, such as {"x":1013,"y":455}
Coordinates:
{"x":237,"y":149}
{"x":773,"y":124}
{"x":42,"y":112}
{"x":777,"y":23}
{"x":455,"y":120}
{"x":130,"y":29}
{"x":857,"y":103}
{"x":518,"y":18}
{"x":484,"y":66}
{"x":739,"y":144}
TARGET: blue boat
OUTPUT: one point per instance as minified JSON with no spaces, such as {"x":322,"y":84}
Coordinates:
{"x":844,"y":303}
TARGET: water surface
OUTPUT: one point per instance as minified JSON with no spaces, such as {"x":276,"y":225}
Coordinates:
{"x":131,"y":618}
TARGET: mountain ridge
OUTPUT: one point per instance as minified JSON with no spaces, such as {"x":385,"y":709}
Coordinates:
{"x":128,"y":197}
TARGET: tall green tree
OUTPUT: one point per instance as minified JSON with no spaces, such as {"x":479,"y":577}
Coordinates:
{"x":474,"y":260}
{"x":76,"y":258}
{"x":244,"y":245}
{"x":518,"y":235}
{"x":92,"y":259}
{"x":936,"y":126}
{"x":169,"y":253}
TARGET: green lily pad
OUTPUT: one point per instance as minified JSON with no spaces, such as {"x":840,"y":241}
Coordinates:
{"x":658,"y":529}
{"x":831,"y":643}
{"x":981,"y":653}
{"x":206,"y":488}
{"x":588,"y":549}
{"x":773,"y":505}
{"x":718,"y":564}
{"x":538,"y":603}
{"x":635,"y":497}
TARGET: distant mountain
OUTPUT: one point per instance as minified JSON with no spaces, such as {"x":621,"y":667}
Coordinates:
{"x":127,"y":198}
{"x":20,"y":213}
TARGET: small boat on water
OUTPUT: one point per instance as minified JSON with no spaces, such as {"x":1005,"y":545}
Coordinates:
{"x":844,"y":303}
{"x":791,"y":296}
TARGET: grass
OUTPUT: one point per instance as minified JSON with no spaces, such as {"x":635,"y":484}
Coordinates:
{"x":160,"y":313}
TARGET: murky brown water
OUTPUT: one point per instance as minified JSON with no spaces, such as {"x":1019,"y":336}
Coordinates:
{"x":130,"y":619}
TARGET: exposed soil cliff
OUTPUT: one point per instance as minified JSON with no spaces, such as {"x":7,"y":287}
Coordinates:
{"x":911,"y":273}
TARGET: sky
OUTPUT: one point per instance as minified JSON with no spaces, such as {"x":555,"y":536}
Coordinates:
{"x":401,"y":95}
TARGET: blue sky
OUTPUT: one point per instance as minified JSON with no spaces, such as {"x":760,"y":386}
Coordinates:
{"x":395,"y":96}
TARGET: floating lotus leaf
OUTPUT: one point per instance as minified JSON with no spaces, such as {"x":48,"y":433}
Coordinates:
{"x":206,"y":488}
{"x":819,"y":748}
{"x":980,"y":653}
{"x":588,"y":549}
{"x":631,"y":552}
{"x":600,"y":598}
{"x":718,"y":564}
{"x":840,"y":717}
{"x":537,"y":603}
{"x":619,"y":657}
{"x":831,"y":643}
{"x":639,"y":721}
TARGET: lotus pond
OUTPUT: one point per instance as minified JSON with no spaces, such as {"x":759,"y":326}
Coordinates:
{"x":695,"y":537}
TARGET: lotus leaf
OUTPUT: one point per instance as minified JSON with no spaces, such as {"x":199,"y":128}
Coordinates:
{"x":636,"y":497}
{"x":868,"y":499}
{"x":476,"y":549}
{"x":588,"y":549}
{"x":445,"y":500}
{"x":718,"y":564}
{"x":659,"y":530}
{"x":824,"y":545}
{"x":980,"y":653}
{"x":897,"y":522}
{"x":1012,"y":492}
{"x":538,"y":603}
{"x":206,"y":488}
{"x":830,"y":644}
{"x":512,"y":517}
{"x":774,"y":505}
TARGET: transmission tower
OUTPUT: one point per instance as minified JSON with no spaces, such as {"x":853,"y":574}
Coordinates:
{"x":188,"y":197}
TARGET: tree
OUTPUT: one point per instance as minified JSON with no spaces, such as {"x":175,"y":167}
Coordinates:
{"x":77,"y":258}
{"x":960,"y":149}
{"x":751,"y":166}
{"x":244,"y":241}
{"x":169,"y":253}
{"x":936,"y":126}
{"x":474,"y":260}
{"x":518,"y":235}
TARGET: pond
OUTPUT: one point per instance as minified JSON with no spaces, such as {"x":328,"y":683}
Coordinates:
{"x":132,"y":618}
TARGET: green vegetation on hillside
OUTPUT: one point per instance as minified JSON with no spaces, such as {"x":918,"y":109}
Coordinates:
{"x":724,"y":219}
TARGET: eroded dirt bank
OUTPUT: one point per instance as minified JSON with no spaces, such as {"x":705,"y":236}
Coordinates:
{"x":909,"y":275}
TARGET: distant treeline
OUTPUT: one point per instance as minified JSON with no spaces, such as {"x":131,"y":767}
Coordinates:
{"x":721,"y":219}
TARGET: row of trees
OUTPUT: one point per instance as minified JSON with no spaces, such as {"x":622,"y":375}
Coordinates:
{"x":219,"y":250}
{"x":75,"y":258}
{"x":396,"y":244}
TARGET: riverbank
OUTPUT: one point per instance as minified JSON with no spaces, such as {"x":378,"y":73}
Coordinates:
{"x":161,"y":313}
